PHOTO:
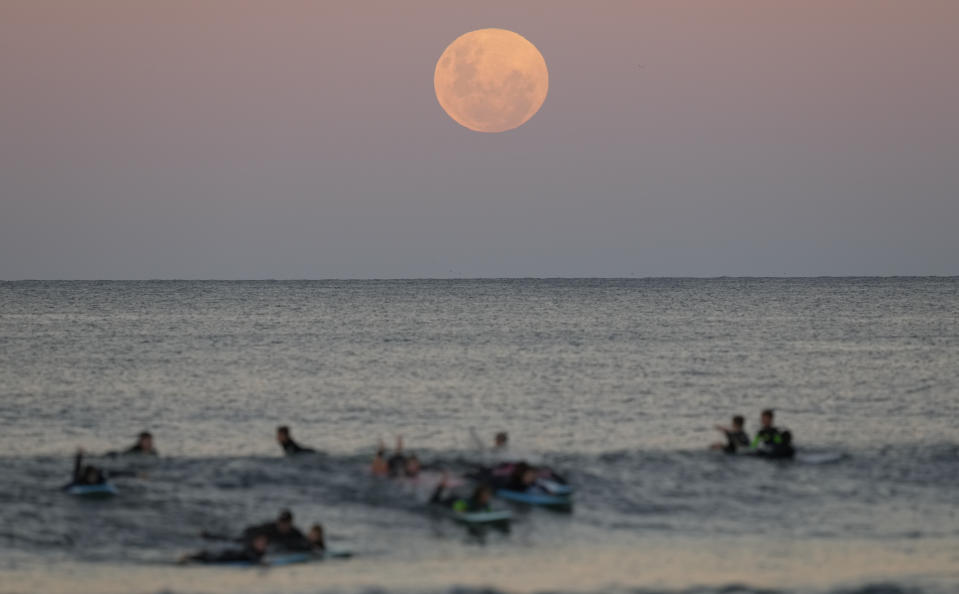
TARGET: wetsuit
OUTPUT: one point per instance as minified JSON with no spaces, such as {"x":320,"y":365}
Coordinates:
{"x":770,"y":442}
{"x":396,"y":464}
{"x":291,"y":448}
{"x":99,"y":476}
{"x":457,"y":504}
{"x":245,"y":555}
{"x":80,"y":474}
{"x":137,"y":449}
{"x":735,"y":440}
{"x":291,"y":540}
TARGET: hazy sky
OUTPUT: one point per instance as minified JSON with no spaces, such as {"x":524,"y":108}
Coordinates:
{"x":228,"y":139}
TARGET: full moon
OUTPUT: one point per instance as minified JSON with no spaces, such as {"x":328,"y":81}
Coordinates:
{"x":491,"y":80}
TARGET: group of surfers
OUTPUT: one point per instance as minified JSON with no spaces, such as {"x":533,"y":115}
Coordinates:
{"x":769,"y":442}
{"x":282,"y":535}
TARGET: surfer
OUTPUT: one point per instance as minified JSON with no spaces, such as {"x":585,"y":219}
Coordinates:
{"x":736,"y":436}
{"x":280,"y":532}
{"x":144,"y":445}
{"x":252,"y":552}
{"x":317,"y":538}
{"x":290,"y":447}
{"x":518,"y":476}
{"x":379,"y":467}
{"x":396,"y":463}
{"x":412,"y":467}
{"x":88,"y":474}
{"x":477,"y":502}
{"x":770,"y":442}
{"x":399,"y":464}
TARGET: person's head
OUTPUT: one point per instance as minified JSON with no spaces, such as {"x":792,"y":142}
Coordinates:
{"x":412,"y":466}
{"x":284,"y":522}
{"x":766,"y":418}
{"x":260,"y":542}
{"x":315,"y":536}
{"x":283,"y":434}
{"x":501,"y":438}
{"x":482,"y":495}
{"x":145,"y":441}
{"x":738,"y":422}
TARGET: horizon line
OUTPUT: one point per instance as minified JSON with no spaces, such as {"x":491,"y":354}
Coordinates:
{"x":485,"y":278}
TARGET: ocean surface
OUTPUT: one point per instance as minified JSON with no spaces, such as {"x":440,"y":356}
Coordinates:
{"x":615,"y":383}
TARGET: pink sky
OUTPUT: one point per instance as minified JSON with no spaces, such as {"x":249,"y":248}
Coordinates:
{"x":302,"y":139}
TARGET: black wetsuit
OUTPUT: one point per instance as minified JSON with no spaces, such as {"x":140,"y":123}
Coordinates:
{"x":99,"y":476}
{"x":770,"y":442}
{"x":736,"y":440}
{"x":245,"y":555}
{"x":497,"y":479}
{"x":80,"y":474}
{"x":458,"y":504}
{"x":291,"y":540}
{"x":396,"y":464}
{"x":291,"y":448}
{"x":137,"y":449}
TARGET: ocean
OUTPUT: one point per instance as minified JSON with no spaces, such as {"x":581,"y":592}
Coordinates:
{"x":614,"y":383}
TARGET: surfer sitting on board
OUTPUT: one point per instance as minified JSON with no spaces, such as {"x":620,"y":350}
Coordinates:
{"x":736,"y":436}
{"x":252,"y":552}
{"x":477,"y":502}
{"x":290,"y":447}
{"x":770,"y":442}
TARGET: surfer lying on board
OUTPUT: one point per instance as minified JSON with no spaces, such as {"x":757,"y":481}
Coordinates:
{"x":736,"y":436}
{"x":771,"y":442}
{"x":281,"y":533}
{"x":252,"y":552}
{"x":518,"y":476}
{"x":477,"y":502}
{"x":290,"y":447}
{"x":88,"y":474}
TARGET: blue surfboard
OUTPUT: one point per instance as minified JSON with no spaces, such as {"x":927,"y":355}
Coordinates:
{"x":554,"y":487}
{"x":535,"y":498}
{"x":93,"y":491}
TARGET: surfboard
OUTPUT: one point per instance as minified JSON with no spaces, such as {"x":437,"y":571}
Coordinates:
{"x":93,"y":491}
{"x":555,"y":487}
{"x":535,"y":498}
{"x":486,"y":517}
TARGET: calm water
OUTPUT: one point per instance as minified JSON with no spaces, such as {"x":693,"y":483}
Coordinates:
{"x":615,"y":382}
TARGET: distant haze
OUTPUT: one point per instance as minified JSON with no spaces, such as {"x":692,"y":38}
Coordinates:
{"x":230,"y":139}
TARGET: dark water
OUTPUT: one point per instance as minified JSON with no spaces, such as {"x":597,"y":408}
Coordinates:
{"x":617,"y":383}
